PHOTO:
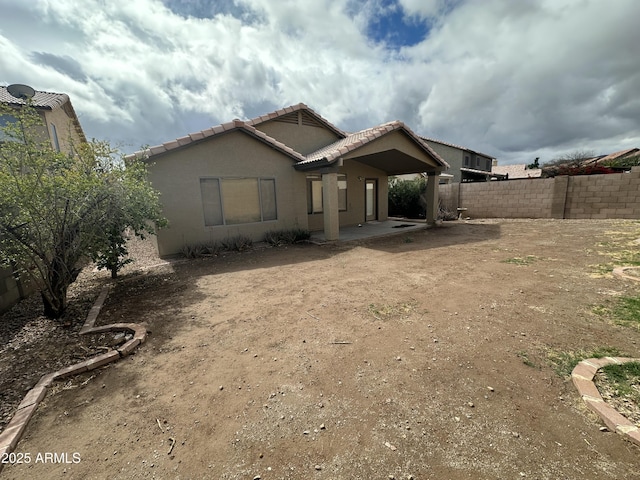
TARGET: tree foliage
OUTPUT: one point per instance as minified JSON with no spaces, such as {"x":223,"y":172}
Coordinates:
{"x":58,"y":210}
{"x":406,"y":198}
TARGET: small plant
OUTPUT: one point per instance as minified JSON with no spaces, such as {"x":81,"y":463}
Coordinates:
{"x":564,"y":362}
{"x":277,"y":238}
{"x":199,"y":250}
{"x":239,"y":243}
{"x":528,"y":260}
{"x":446,"y":214}
{"x":526,"y":360}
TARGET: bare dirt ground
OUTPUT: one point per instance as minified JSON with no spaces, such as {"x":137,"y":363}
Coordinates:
{"x":421,"y":355}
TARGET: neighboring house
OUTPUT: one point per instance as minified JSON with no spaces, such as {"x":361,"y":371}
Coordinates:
{"x":615,"y":162}
{"x":59,"y":120}
{"x":612,"y":158}
{"x":516,"y":171}
{"x":288,"y":169}
{"x":61,"y":126}
{"x":465,"y":165}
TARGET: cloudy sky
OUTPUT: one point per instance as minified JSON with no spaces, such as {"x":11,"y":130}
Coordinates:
{"x":516,"y":79}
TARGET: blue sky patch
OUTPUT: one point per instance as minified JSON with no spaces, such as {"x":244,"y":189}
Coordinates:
{"x":393,"y":27}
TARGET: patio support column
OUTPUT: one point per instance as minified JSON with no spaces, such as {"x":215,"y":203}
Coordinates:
{"x":330,"y":206}
{"x":432,"y":197}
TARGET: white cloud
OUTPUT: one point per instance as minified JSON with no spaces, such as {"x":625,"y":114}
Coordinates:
{"x":508,"y":78}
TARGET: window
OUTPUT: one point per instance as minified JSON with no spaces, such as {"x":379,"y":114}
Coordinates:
{"x":54,"y":137}
{"x":232,"y":201}
{"x":489,"y":165}
{"x":314,"y":193}
{"x":466,"y":160}
{"x":477,"y":161}
{"x":5,"y":121}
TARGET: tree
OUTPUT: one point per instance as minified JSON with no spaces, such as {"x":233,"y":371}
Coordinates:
{"x":567,"y":163}
{"x":134,"y":206}
{"x":535,"y":164}
{"x":58,"y":210}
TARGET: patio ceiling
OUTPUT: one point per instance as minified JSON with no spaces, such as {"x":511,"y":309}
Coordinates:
{"x":394,"y":162}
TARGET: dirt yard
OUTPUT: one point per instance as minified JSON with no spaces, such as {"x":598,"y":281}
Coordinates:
{"x":422,"y":355}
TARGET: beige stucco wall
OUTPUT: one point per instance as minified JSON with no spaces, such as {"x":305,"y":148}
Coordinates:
{"x":65,"y":129}
{"x":582,"y":196}
{"x":453,"y":156}
{"x":9,"y":292}
{"x":302,"y":138}
{"x":356,"y":195}
{"x":177,"y":176}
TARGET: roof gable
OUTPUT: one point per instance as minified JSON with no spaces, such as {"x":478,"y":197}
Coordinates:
{"x":299,"y":114}
{"x":234,"y":125}
{"x":331,"y":153}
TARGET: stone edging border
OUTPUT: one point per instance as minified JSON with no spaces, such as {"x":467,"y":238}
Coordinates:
{"x":582,"y":376}
{"x":11,"y":435}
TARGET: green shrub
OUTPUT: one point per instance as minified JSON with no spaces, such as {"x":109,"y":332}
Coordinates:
{"x":198,"y":250}
{"x":405,"y":198}
{"x":286,"y":237}
{"x":238,"y":243}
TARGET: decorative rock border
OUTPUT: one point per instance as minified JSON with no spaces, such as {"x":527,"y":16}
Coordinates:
{"x":11,"y":435}
{"x":582,"y":377}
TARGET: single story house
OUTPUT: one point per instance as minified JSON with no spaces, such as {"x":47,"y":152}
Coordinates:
{"x":288,"y":169}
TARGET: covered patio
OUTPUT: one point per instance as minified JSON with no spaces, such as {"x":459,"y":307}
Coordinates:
{"x":372,"y":230}
{"x":388,"y":149}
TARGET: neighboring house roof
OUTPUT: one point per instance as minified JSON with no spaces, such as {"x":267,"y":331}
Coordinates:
{"x":617,"y":155}
{"x":234,"y":125}
{"x":517,"y":171}
{"x":472,"y":172}
{"x":283,"y":112}
{"x":459,"y":147}
{"x":331,"y":153}
{"x":47,"y":101}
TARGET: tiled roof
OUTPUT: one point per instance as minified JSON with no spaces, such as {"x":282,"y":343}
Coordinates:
{"x":620,"y":154}
{"x":324,"y":156}
{"x":40,"y":99}
{"x":217,"y":130}
{"x":459,"y":147}
{"x":331,"y":153}
{"x":517,"y":171}
{"x":49,"y":101}
{"x":294,"y":108}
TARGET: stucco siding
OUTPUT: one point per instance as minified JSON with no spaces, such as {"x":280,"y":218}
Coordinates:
{"x":302,"y":138}
{"x":177,"y":175}
{"x":65,"y":129}
{"x":356,"y":173}
{"x":453,"y":156}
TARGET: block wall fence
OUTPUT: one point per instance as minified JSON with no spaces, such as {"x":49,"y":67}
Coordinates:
{"x":615,"y":195}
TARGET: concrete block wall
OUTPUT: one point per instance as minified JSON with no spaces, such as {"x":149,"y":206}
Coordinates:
{"x":604,"y":196}
{"x":525,"y":198}
{"x":586,"y":196}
